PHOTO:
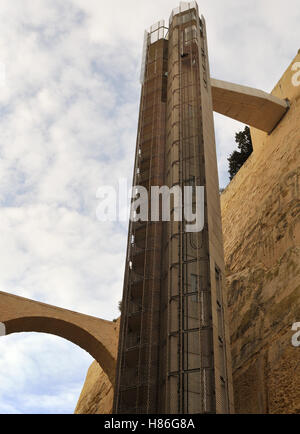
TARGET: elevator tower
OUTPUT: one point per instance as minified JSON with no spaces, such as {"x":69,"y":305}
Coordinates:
{"x":174,"y":353}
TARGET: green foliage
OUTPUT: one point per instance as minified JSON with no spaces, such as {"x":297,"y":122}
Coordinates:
{"x":238,"y":158}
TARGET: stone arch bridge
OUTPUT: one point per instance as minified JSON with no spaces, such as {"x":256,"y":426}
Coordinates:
{"x":96,"y":336}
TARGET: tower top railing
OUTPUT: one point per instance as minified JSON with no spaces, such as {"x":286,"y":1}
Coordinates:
{"x":159,"y":31}
{"x":183,"y":7}
{"x":156,"y":32}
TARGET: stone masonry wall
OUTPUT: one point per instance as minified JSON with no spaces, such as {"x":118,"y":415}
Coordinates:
{"x":260,"y":213}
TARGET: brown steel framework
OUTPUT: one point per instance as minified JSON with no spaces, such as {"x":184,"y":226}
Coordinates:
{"x":173,"y":347}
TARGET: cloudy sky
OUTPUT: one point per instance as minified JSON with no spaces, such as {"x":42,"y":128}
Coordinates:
{"x":69,"y":95}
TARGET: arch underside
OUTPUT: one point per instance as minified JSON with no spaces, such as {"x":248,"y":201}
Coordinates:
{"x":96,"y":336}
{"x":68,"y":331}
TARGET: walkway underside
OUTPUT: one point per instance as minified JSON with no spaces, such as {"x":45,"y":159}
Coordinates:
{"x":251,"y":106}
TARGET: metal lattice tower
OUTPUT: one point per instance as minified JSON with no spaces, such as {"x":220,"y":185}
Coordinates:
{"x":174,"y":352}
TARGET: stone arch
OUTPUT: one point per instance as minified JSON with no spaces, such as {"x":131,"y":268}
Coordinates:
{"x":96,"y":336}
{"x":67,"y":330}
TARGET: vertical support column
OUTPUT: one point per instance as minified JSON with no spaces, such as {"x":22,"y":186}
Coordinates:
{"x":222,"y":364}
{"x":137,"y":366}
{"x":189,"y":324}
{"x":195,"y":374}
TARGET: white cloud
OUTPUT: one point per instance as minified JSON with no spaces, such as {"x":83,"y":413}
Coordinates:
{"x":40,"y":373}
{"x":68,"y":119}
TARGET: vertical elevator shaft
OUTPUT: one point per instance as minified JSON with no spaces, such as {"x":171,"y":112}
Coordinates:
{"x":174,"y":352}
